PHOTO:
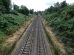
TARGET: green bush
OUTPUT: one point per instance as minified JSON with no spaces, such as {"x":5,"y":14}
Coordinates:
{"x":63,"y":25}
{"x":9,"y":23}
{"x":68,"y":13}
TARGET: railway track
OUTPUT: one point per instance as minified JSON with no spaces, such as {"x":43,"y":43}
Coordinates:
{"x":34,"y":42}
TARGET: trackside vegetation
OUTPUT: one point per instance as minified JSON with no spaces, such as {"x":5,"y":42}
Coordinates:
{"x":9,"y":23}
{"x":12,"y":17}
{"x":61,"y":18}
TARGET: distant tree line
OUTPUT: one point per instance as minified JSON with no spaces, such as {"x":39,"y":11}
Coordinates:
{"x":22,"y":9}
{"x":57,"y":7}
{"x":6,"y":7}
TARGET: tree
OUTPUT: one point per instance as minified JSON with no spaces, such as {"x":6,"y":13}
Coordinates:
{"x":50,"y":10}
{"x":31,"y":11}
{"x":15,"y":7}
{"x":7,"y":5}
{"x":63,"y":4}
{"x":2,"y":7}
{"x":24,"y":10}
{"x":57,"y":5}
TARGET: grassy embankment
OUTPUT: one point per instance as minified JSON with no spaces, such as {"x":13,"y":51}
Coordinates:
{"x":57,"y":47}
{"x":9,"y":25}
{"x":62,"y":23}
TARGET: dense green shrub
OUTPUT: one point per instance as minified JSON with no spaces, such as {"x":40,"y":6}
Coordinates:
{"x":62,"y":22}
{"x":68,"y":12}
{"x":10,"y":21}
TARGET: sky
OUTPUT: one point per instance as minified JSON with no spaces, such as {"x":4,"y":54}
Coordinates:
{"x":38,"y":5}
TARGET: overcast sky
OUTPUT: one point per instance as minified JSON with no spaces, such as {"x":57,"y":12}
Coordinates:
{"x":38,"y":4}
